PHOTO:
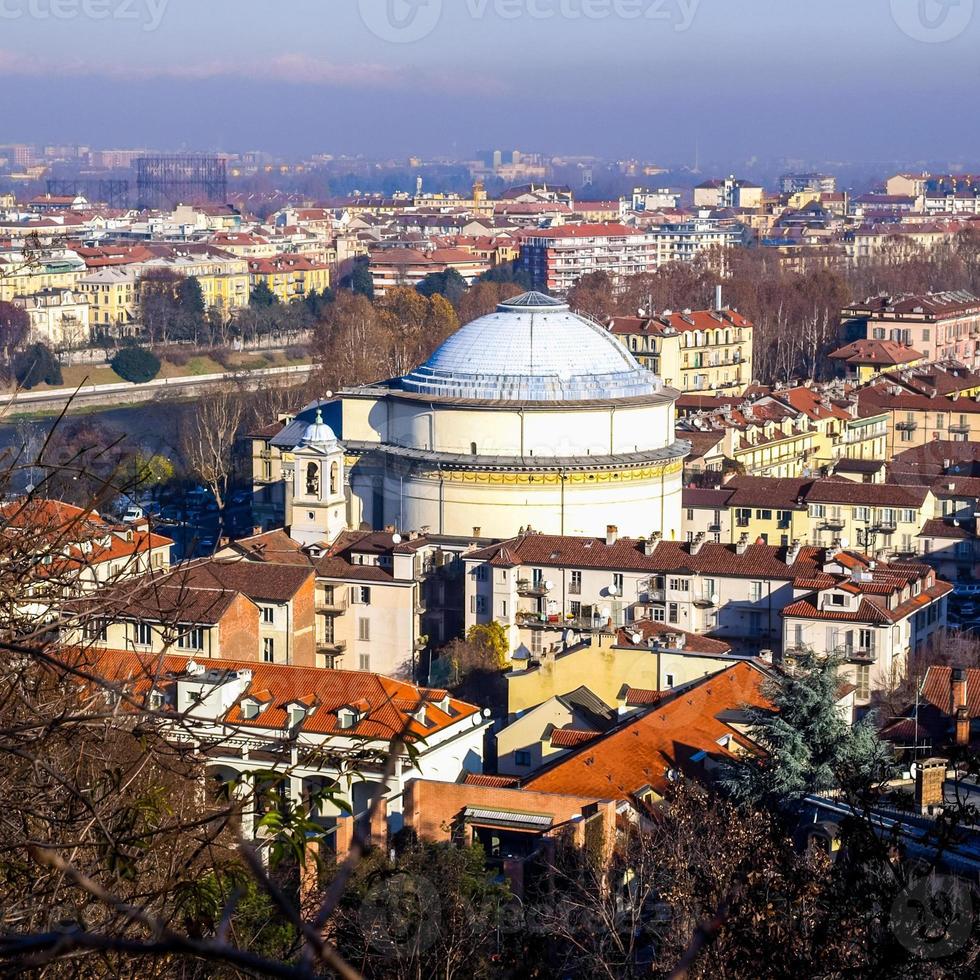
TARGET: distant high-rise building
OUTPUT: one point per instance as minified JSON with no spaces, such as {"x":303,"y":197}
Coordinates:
{"x":498,"y":159}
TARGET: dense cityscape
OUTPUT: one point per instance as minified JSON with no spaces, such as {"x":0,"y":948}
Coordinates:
{"x":488,"y":563}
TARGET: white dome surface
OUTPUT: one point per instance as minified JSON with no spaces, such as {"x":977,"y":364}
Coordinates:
{"x":532,"y":349}
{"x":318,"y":435}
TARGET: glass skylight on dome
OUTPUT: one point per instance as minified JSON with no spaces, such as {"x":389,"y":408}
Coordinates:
{"x":533,"y":348}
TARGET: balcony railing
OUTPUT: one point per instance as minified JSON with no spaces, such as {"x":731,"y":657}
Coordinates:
{"x":335,"y":606}
{"x":906,"y":426}
{"x":861,"y":656}
{"x":833,"y":524}
{"x":527,"y":587}
{"x":331,"y":648}
{"x":652,"y":597}
{"x":961,"y":428}
{"x":885,"y":526}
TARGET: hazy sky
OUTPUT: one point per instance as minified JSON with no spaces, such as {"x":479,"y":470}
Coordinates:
{"x":828,"y":79}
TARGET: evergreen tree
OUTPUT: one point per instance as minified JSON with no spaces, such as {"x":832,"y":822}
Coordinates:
{"x":807,"y":745}
{"x":262,"y":297}
{"x":448,"y":283}
{"x":37,"y":365}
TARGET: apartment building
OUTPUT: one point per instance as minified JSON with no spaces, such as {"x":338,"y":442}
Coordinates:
{"x":113,"y":297}
{"x":337,"y":727}
{"x":687,"y":240}
{"x":864,"y":360}
{"x":392,"y":267}
{"x":26,"y":275}
{"x":556,"y":258}
{"x":875,"y":615}
{"x":728,"y":193}
{"x":880,"y":519}
{"x":57,"y":317}
{"x":548,"y":590}
{"x":289,"y":277}
{"x":941,"y":326}
{"x":706,"y":351}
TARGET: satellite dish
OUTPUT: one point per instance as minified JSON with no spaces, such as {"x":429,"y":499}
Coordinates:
{"x":845,"y":542}
{"x":396,"y":539}
{"x":549,"y":585}
{"x":613,"y":590}
{"x":604,"y":613}
{"x":715,"y":598}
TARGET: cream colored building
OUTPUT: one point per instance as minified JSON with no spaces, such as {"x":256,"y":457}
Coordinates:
{"x":529,"y":417}
{"x":58,"y":318}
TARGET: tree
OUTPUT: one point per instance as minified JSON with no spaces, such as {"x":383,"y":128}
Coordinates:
{"x":262,"y":297}
{"x":483,"y":298}
{"x":136,"y":364}
{"x":208,"y":440}
{"x":448,"y":283}
{"x":807,"y":745}
{"x":594,"y":295}
{"x":359,"y":279}
{"x":37,"y":365}
{"x":14,"y":326}
{"x":317,"y":303}
{"x":510,"y":273}
{"x":471,"y":667}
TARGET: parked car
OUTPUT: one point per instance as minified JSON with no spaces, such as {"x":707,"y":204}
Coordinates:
{"x":133,"y":514}
{"x":966,"y":589}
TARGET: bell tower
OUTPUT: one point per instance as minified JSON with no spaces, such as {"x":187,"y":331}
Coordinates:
{"x":319,"y":501}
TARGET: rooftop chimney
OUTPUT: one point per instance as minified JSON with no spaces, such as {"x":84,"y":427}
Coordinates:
{"x":962,"y":726}
{"x":718,"y":295}
{"x":612,"y":535}
{"x":793,"y":553}
{"x":477,"y":532}
{"x":698,"y":543}
{"x":743,"y":544}
{"x":650,"y":545}
{"x":930,"y":778}
{"x":957,"y":690}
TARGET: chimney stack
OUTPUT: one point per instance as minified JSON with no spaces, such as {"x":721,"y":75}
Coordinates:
{"x":743,"y":544}
{"x":962,"y":727}
{"x":793,"y":553}
{"x":650,"y":545}
{"x":698,"y":543}
{"x":930,"y":780}
{"x":718,"y":295}
{"x":612,"y":535}
{"x":957,"y":690}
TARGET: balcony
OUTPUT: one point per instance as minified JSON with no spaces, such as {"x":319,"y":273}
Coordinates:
{"x":333,"y":606}
{"x":704,"y":601}
{"x":832,"y":524}
{"x":331,"y":648}
{"x":906,"y":426}
{"x":651,"y":597}
{"x":532,"y":589}
{"x":960,"y":429}
{"x":885,"y":526}
{"x":863,"y":656}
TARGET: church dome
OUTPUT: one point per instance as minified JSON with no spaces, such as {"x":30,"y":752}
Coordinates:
{"x":533,"y":348}
{"x":318,"y":435}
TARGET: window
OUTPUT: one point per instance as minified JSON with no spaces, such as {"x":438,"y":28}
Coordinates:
{"x":364,"y":662}
{"x":755,"y":622}
{"x":710,"y":587}
{"x":690,"y":514}
{"x":862,"y":678}
{"x":503,"y":608}
{"x":481,"y":573}
{"x":818,"y":510}
{"x":755,"y":591}
{"x":679,"y":585}
{"x":908,"y":516}
{"x":360,"y":595}
{"x":866,"y":639}
{"x":481,"y":605}
{"x":144,"y":635}
{"x":96,"y":629}
{"x":672,"y":612}
{"x":836,"y":599}
{"x":193,"y":639}
{"x":363,"y":628}
{"x":668,"y":680}
{"x":575,"y":585}
{"x":862,"y":513}
{"x":536,"y":642}
{"x":763,"y":515}
{"x":269,"y":650}
{"x":268,"y":614}
{"x":522,"y":758}
{"x":618,"y":582}
{"x":659,"y":615}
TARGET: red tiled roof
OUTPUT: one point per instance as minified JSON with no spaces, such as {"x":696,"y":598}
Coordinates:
{"x":642,"y":751}
{"x":666,"y":636}
{"x":876,"y":352}
{"x":388,"y":704}
{"x":937,"y":689}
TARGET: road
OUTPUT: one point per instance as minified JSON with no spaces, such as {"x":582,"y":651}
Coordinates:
{"x":191,"y":386}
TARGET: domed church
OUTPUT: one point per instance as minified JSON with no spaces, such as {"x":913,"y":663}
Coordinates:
{"x":531,"y":416}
